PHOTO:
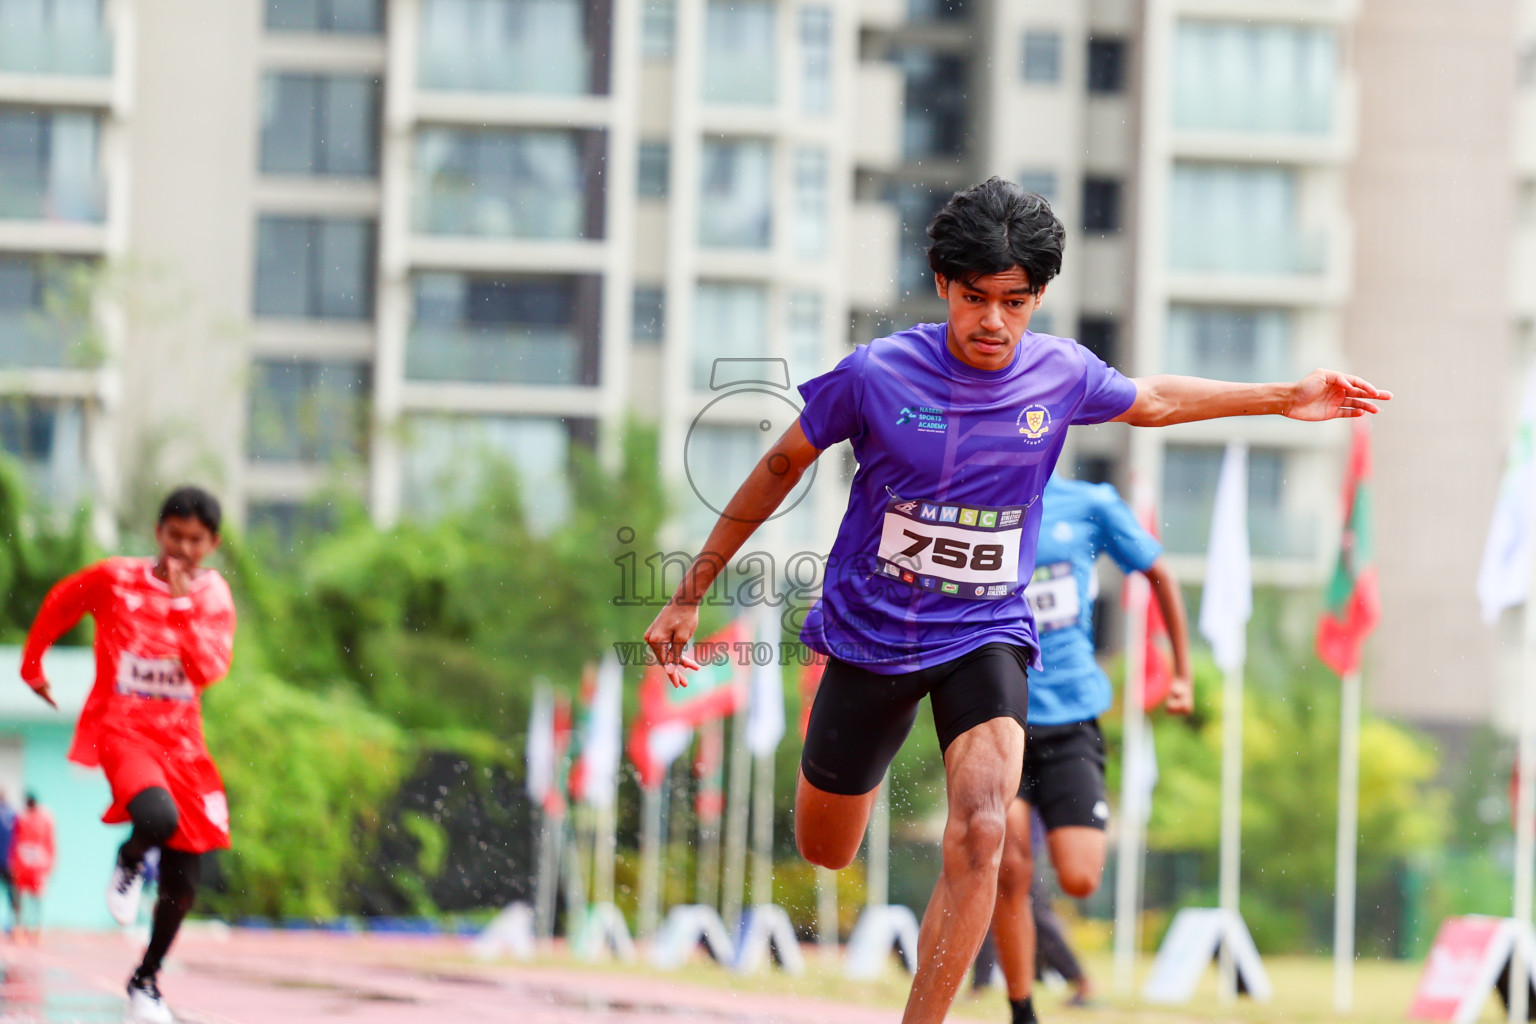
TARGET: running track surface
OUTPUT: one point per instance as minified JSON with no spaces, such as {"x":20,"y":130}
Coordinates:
{"x":255,"y":977}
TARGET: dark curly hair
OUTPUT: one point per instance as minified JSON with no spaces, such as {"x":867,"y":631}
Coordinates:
{"x":993,"y":227}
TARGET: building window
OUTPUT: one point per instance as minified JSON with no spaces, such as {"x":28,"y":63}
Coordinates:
{"x":1099,"y":335}
{"x":320,"y":124}
{"x":915,"y":206}
{"x":736,"y":205}
{"x":1106,"y":65}
{"x":344,"y":16}
{"x":733,"y":318}
{"x":46,"y":437}
{"x":543,"y":47}
{"x":305,"y":410}
{"x":44,"y":316}
{"x":315,"y":268}
{"x":1239,"y":220}
{"x":509,"y":183}
{"x":1040,"y":182}
{"x":658,"y":28}
{"x":935,"y":114}
{"x":804,"y":329}
{"x":1043,"y":321}
{"x":533,"y":329}
{"x":1094,"y":469}
{"x":654,"y":168}
{"x":1229,"y":342}
{"x":1042,"y":56}
{"x":449,"y":459}
{"x":816,"y":60}
{"x":650,"y":325}
{"x":1189,"y":493}
{"x":58,"y":37}
{"x":812,"y":203}
{"x":49,"y":166}
{"x":937,"y":10}
{"x":740,"y":58}
{"x":1254,"y":77}
{"x":1101,"y":205}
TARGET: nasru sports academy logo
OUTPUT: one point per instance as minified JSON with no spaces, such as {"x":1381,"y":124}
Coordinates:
{"x":1034,"y":422}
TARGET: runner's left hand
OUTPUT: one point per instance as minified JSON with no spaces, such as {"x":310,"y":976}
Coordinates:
{"x":43,"y":690}
{"x":1181,"y":696}
{"x":1327,"y":394}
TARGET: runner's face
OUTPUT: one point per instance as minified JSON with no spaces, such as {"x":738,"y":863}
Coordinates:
{"x":186,"y":539}
{"x":988,"y":316}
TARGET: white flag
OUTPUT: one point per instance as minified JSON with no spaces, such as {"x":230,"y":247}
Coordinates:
{"x":1146,"y":776}
{"x":1227,"y":600}
{"x":541,"y":744}
{"x":765,"y":710}
{"x":1505,"y":573}
{"x":601,"y":745}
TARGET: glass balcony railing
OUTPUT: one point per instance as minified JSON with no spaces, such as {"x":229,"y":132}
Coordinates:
{"x":54,"y":37}
{"x":1254,"y":77}
{"x":23,"y":199}
{"x":524,"y":355}
{"x":1248,"y":252}
{"x":513,"y":46}
{"x":31,"y":340}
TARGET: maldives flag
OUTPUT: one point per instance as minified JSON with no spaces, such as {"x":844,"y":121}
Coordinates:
{"x":1353,"y":599}
{"x":669,"y":714}
{"x":1157,"y":669}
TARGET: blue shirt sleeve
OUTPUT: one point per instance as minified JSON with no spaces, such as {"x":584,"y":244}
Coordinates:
{"x":1132,"y":548}
{"x":1106,"y":394}
{"x":833,"y":401}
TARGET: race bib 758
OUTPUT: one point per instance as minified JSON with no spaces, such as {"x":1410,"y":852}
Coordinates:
{"x":966,"y":551}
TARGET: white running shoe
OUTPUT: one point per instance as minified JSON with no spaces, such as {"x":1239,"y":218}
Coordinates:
{"x":123,"y":892}
{"x":145,"y":1004}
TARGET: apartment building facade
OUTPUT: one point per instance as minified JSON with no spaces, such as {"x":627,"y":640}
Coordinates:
{"x":358,"y":244}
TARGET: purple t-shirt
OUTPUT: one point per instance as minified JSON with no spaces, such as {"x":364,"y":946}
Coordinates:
{"x":938,"y":542}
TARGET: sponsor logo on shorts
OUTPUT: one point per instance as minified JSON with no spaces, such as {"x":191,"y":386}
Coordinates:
{"x":1101,"y":811}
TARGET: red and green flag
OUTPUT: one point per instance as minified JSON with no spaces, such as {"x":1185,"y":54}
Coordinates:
{"x":1353,"y":602}
{"x":669,"y":714}
{"x":709,"y":769}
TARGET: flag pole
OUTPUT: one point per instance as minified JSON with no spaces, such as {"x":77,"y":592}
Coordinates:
{"x":1231,"y":818}
{"x":826,"y":912}
{"x":1525,"y":814}
{"x":1127,"y":847}
{"x":762,"y":831}
{"x":650,"y":857}
{"x":878,"y":870}
{"x":1347,"y":845}
{"x":737,"y":806}
{"x":549,"y":873}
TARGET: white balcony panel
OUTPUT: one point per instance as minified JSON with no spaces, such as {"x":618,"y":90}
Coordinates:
{"x":65,"y":238}
{"x":874,"y":233}
{"x":484,"y":254}
{"x":522,"y":400}
{"x":329,"y":53}
{"x":882,"y":13}
{"x":490,"y":109}
{"x":1312,"y":12}
{"x":55,"y":90}
{"x":880,"y":97}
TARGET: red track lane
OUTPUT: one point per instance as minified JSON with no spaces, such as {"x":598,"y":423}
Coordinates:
{"x":257,"y":977}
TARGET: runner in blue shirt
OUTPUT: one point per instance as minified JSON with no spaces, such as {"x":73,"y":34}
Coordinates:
{"x":1064,"y":750}
{"x":956,"y":428}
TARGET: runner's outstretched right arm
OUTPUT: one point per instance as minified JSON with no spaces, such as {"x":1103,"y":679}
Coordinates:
{"x":759,"y":496}
{"x":70,"y":599}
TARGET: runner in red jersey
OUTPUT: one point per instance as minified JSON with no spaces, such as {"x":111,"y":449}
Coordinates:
{"x":164,"y":630}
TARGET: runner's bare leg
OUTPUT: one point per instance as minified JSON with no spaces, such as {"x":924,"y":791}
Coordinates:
{"x":1013,"y":923}
{"x":982,"y":769}
{"x":830,"y":826}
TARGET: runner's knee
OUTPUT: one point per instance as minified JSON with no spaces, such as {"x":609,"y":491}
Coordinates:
{"x":1077,"y":880}
{"x":825,"y":851}
{"x":973,"y":841}
{"x":1015,"y":871}
{"x":153,"y":814}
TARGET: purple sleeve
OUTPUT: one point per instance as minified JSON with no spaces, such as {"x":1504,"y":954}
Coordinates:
{"x":1106,"y":394}
{"x":832,"y":402}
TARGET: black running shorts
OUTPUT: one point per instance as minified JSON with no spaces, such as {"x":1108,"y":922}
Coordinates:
{"x":861,"y":718}
{"x":1064,"y":774}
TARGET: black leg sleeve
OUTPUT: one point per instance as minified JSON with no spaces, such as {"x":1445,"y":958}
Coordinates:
{"x":154,"y":818}
{"x":179,"y":873}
